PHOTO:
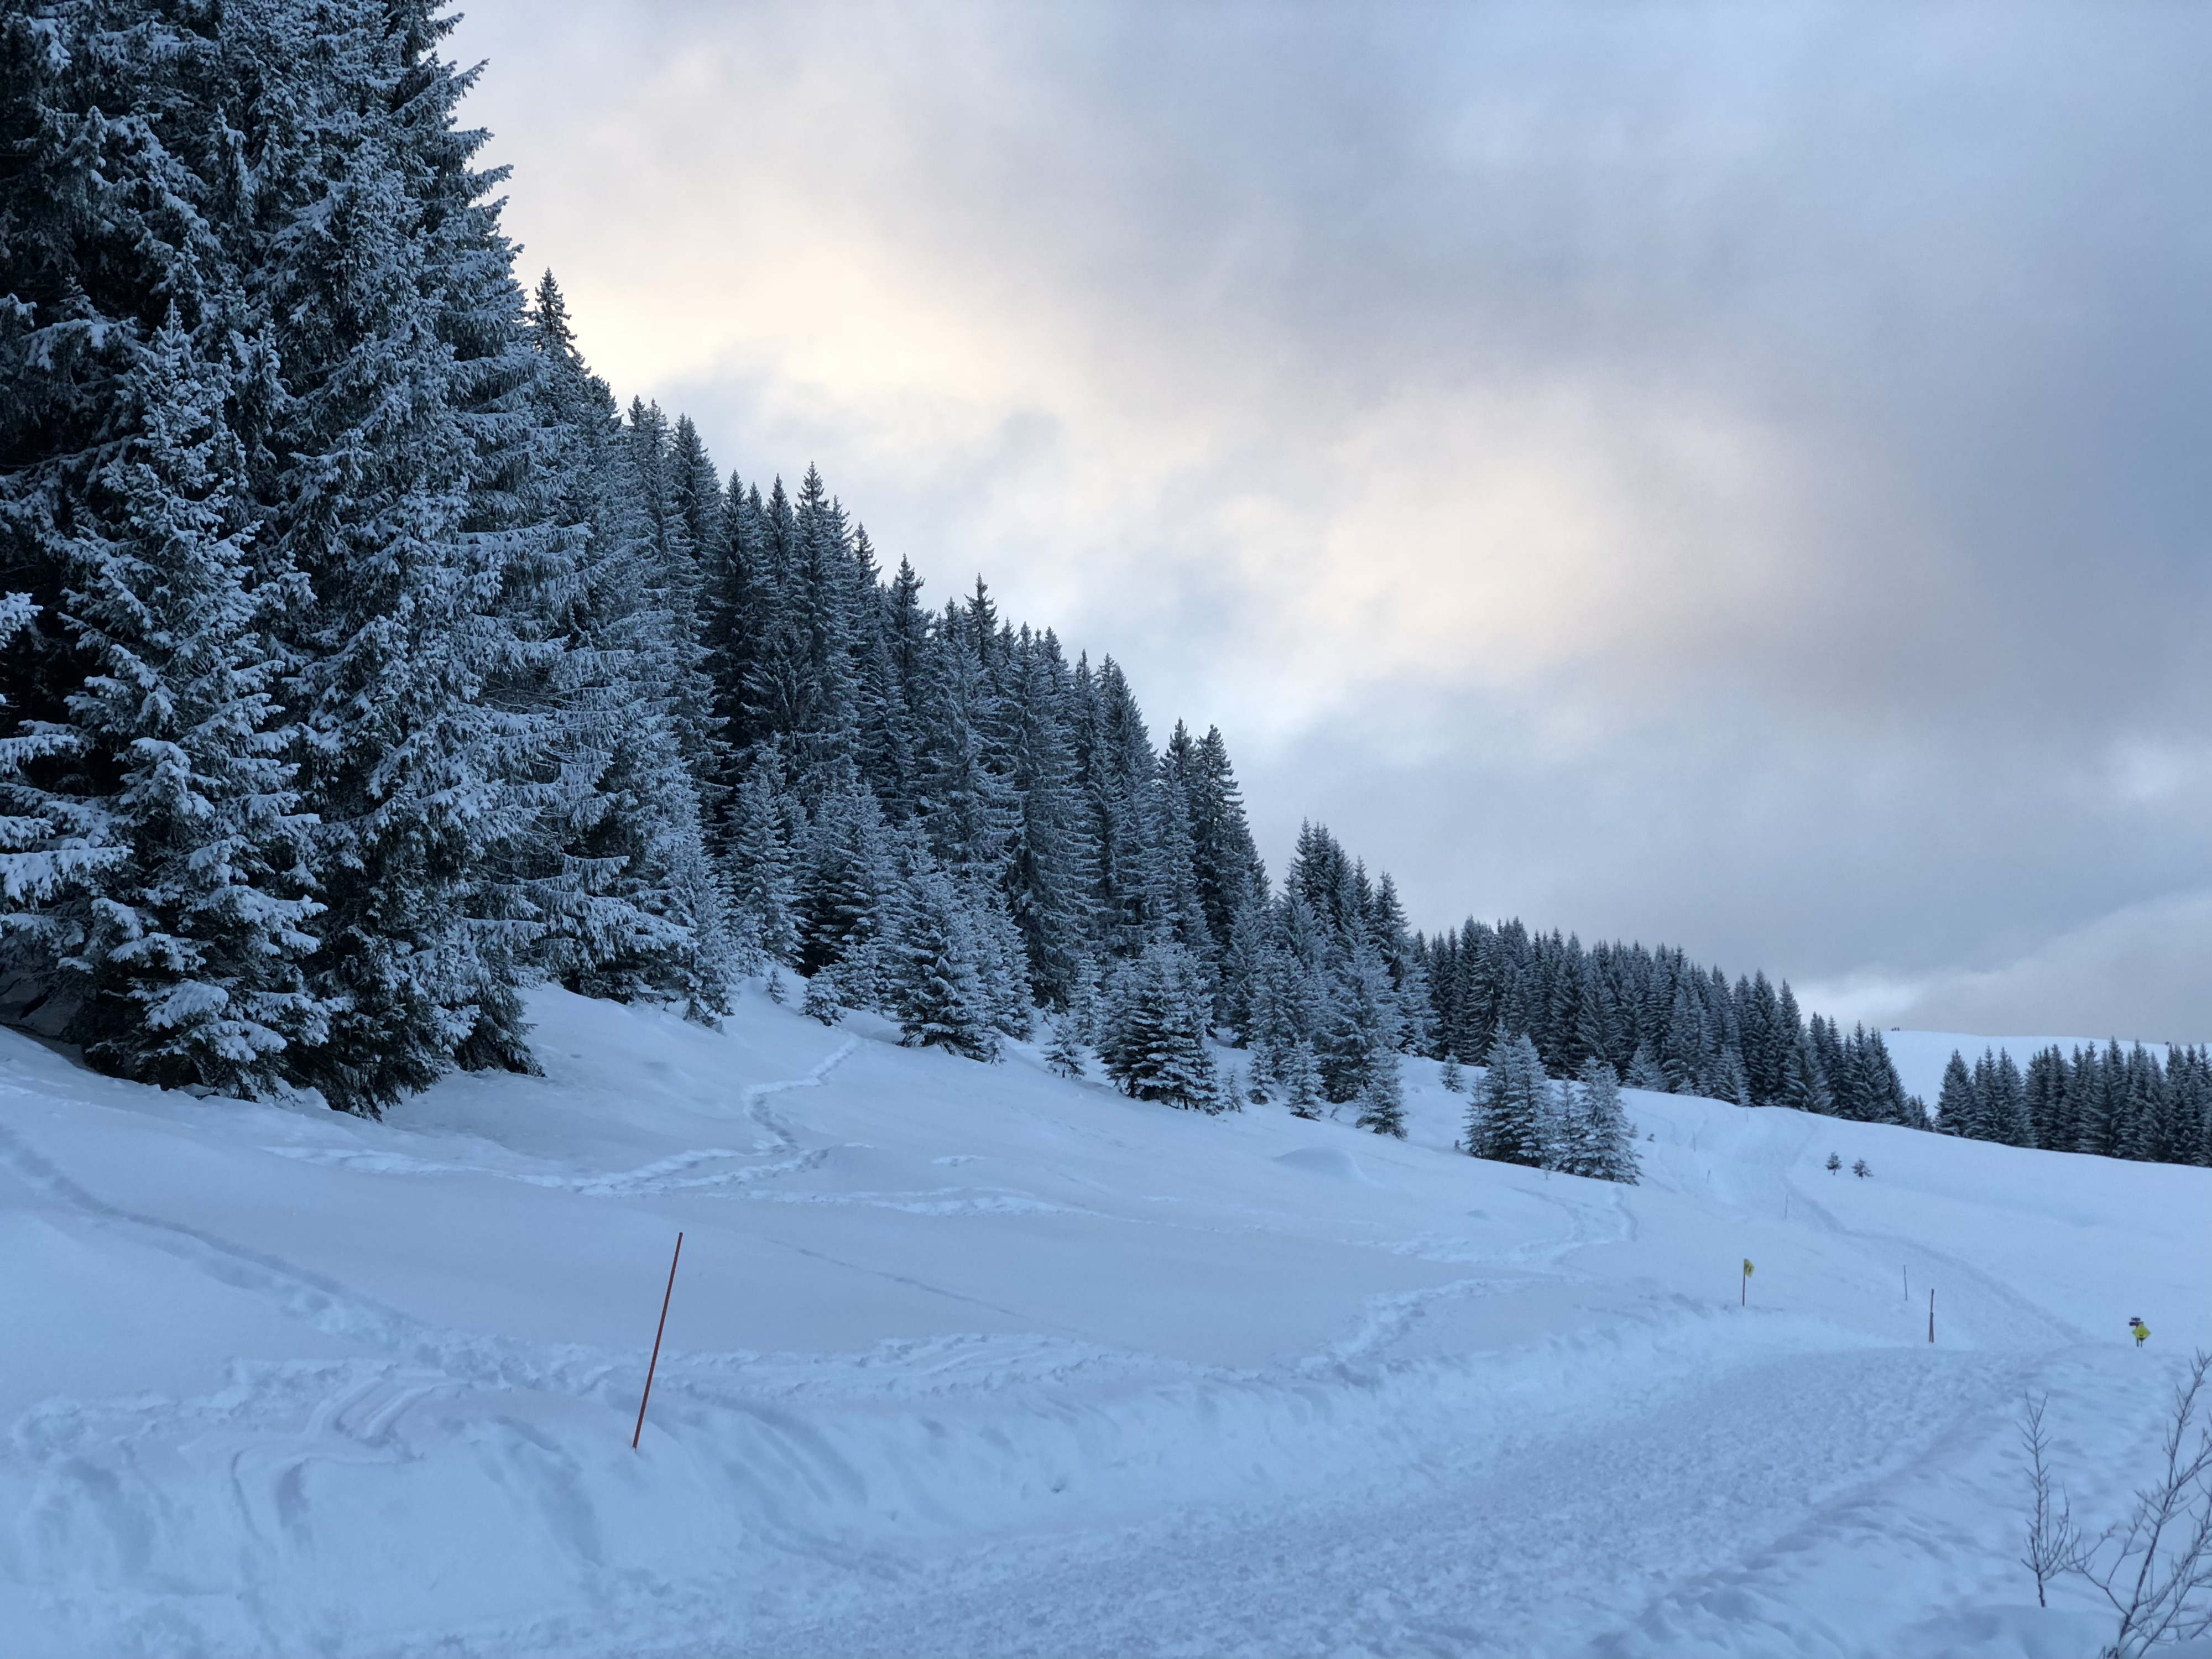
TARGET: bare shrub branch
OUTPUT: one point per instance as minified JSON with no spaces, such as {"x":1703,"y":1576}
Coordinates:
{"x":2054,"y":1544}
{"x":2155,"y":1566}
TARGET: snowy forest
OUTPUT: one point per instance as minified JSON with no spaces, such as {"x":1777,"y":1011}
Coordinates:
{"x":2133,"y":1104}
{"x":365,"y":661}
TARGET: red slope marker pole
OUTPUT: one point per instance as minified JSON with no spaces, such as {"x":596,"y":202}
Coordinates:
{"x":639,"y":1432}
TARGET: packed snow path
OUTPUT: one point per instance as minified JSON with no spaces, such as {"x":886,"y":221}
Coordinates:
{"x":971,"y":1360}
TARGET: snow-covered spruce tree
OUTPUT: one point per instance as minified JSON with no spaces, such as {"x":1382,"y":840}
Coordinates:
{"x":1958,"y":1107}
{"x":846,"y":875}
{"x":672,"y":482}
{"x":190,"y":946}
{"x":1730,"y":1080}
{"x":394,"y":481}
{"x":1115,"y":769}
{"x":2005,"y":1100}
{"x":1363,"y":1036}
{"x":629,"y":904}
{"x":821,"y":999}
{"x":1292,"y":1004}
{"x":1231,"y":1089}
{"x":1370,"y":1031}
{"x":1645,"y":1073}
{"x":933,"y":975}
{"x":1507,"y":1121}
{"x":1804,"y":1082}
{"x":758,"y":863}
{"x":98,"y":221}
{"x":1413,"y":1000}
{"x":1294,"y":1075}
{"x":1064,"y":1055}
{"x":1226,"y":864}
{"x":1047,"y":872}
{"x":1381,"y":1100}
{"x":155,"y":894}
{"x":1599,"y":1142}
{"x":1153,"y":1034}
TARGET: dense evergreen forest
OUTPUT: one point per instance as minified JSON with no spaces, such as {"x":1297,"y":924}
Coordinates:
{"x":365,"y":662}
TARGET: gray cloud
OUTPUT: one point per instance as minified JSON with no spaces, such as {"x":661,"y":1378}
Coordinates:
{"x":1729,"y":476}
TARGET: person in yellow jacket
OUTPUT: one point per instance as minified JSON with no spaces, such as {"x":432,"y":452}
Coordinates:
{"x":2141,"y":1331}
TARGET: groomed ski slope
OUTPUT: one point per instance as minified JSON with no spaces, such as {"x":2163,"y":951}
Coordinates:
{"x":969,"y":1360}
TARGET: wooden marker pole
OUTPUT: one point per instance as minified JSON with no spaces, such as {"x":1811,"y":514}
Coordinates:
{"x":1743,"y":1292}
{"x":638,"y":1432}
{"x":1931,"y":1313}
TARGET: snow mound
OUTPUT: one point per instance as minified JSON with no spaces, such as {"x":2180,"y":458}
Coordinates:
{"x":1332,"y":1162}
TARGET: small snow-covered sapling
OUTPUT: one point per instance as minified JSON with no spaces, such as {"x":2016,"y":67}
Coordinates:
{"x":1834,"y":1164}
{"x":1860,"y":1169}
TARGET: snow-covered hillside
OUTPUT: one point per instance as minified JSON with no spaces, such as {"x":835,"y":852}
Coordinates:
{"x":966,"y":1359}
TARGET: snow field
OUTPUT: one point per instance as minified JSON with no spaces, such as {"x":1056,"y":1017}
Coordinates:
{"x":968,"y":1359}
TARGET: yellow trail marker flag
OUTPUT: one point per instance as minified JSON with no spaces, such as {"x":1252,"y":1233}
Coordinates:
{"x":1743,"y":1296}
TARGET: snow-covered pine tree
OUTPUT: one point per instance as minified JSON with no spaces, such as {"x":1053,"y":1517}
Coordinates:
{"x":1885,"y":1089}
{"x":1506,"y":1121}
{"x":821,"y":999}
{"x":615,"y":867}
{"x":1152,"y":1035}
{"x":191,"y":947}
{"x":1645,"y":1073}
{"x":847,"y":879}
{"x":1064,"y":1055}
{"x":1958,"y":1105}
{"x":999,"y":957}
{"x":1731,"y":1079}
{"x":673,"y":483}
{"x":1450,"y":1077}
{"x":1985,"y":1091}
{"x":758,"y":863}
{"x":1601,"y":1142}
{"x":1804,"y":1082}
{"x":1291,"y":1004}
{"x":1171,"y":871}
{"x":1294,"y":1073}
{"x":2004,"y":1103}
{"x":394,"y":481}
{"x":1231,"y":1089}
{"x":1414,"y":999}
{"x":156,"y":899}
{"x":1226,"y":860}
{"x":2054,"y":1125}
{"x":1048,"y":870}
{"x":1362,"y":1042}
{"x":1687,"y":1043}
{"x":1114,"y":770}
{"x":1381,"y":1100}
{"x":932,"y":981}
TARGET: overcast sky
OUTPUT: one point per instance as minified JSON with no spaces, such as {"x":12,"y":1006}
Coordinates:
{"x":1738,"y":476}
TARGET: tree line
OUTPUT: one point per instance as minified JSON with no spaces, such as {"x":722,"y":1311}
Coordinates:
{"x":2134,"y":1105}
{"x":367,"y":662}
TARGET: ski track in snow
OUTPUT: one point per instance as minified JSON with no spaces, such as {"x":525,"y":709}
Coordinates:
{"x":1478,"y":1555}
{"x":1677,"y":1480}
